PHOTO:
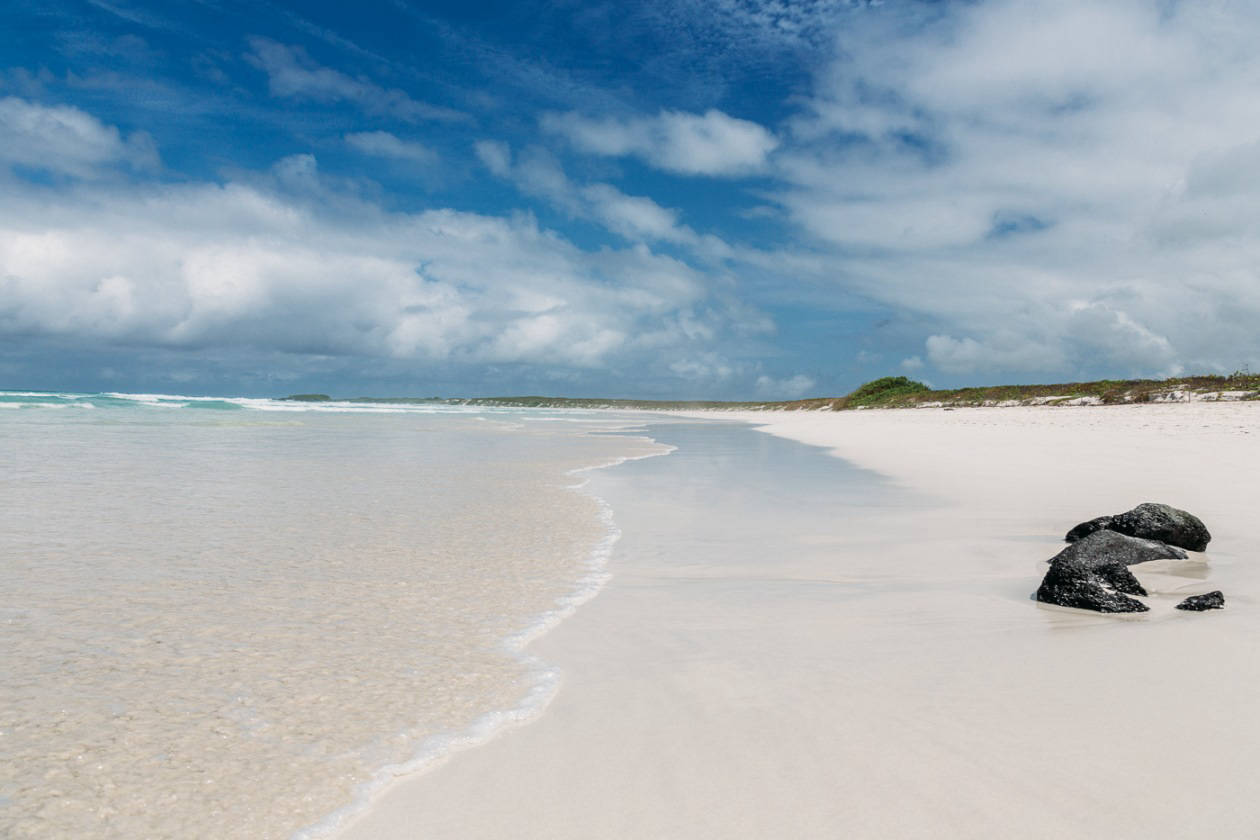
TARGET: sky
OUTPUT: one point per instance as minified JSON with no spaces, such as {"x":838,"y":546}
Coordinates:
{"x":726,"y":199}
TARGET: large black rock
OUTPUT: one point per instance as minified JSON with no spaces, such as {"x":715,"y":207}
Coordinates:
{"x":1207,"y":601}
{"x":1150,"y":521}
{"x":1092,"y":573}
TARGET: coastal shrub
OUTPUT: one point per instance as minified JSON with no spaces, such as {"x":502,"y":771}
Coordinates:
{"x":884,"y":390}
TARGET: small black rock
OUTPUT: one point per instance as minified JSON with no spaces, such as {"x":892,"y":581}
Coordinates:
{"x":1207,"y":601}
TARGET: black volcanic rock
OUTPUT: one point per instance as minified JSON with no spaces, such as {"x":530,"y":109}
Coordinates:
{"x":1087,"y":528}
{"x":1112,"y":545}
{"x":1167,"y":524}
{"x":1102,"y":589}
{"x":1092,"y":573}
{"x":1150,"y":521}
{"x":1207,"y":601}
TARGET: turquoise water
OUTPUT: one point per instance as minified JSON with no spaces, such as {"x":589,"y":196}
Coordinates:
{"x":114,"y":400}
{"x":226,"y":617}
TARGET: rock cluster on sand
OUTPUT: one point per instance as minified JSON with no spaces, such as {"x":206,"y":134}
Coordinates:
{"x":1151,"y":521}
{"x":1093,"y":572}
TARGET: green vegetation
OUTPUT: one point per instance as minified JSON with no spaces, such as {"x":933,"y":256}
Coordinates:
{"x":900,"y":392}
{"x":883,"y":391}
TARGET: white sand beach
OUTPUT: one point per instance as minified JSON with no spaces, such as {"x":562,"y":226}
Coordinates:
{"x":768,"y":662}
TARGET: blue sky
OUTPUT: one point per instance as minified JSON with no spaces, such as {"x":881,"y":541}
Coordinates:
{"x":724,"y":199}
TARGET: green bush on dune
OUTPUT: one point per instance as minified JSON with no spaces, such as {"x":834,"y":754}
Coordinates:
{"x":882,"y":391}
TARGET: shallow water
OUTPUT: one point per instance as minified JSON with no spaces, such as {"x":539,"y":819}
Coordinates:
{"x":224,"y":622}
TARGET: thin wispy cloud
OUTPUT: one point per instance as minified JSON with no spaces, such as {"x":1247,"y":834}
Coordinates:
{"x":292,"y":73}
{"x":386,"y":145}
{"x":635,"y":218}
{"x":711,"y":143}
{"x":131,"y":14}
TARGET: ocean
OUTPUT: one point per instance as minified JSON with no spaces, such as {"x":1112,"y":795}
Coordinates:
{"x":236,"y":618}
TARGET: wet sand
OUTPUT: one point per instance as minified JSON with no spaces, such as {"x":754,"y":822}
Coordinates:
{"x":801,"y":646}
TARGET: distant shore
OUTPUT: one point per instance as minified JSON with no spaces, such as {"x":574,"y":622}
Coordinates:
{"x":896,"y":392}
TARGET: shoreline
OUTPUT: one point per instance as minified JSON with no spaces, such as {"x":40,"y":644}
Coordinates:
{"x":824,"y":659}
{"x":440,"y":747}
{"x":293,"y":603}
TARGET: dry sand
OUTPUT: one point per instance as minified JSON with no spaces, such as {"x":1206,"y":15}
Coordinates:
{"x":756,"y":669}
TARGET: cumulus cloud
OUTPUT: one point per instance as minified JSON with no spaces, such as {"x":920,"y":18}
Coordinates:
{"x":1115,"y":334}
{"x":386,"y":145}
{"x":293,"y":73}
{"x":1066,"y":196}
{"x":711,"y":143}
{"x":66,"y":140}
{"x":287,"y":263}
{"x":191,"y":266}
{"x":1001,"y":352}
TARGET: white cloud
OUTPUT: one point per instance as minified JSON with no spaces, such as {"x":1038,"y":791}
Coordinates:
{"x":706,"y":367}
{"x":712,"y":143}
{"x":634,"y":218}
{"x":298,"y":173}
{"x":66,"y":140}
{"x":386,"y":145}
{"x":789,"y":388}
{"x":1069,"y":195}
{"x":1067,"y":339}
{"x":1115,"y":334}
{"x":496,"y":155}
{"x":1002,"y":352}
{"x":292,"y":73}
{"x":287,"y":262}
{"x":235,"y":265}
